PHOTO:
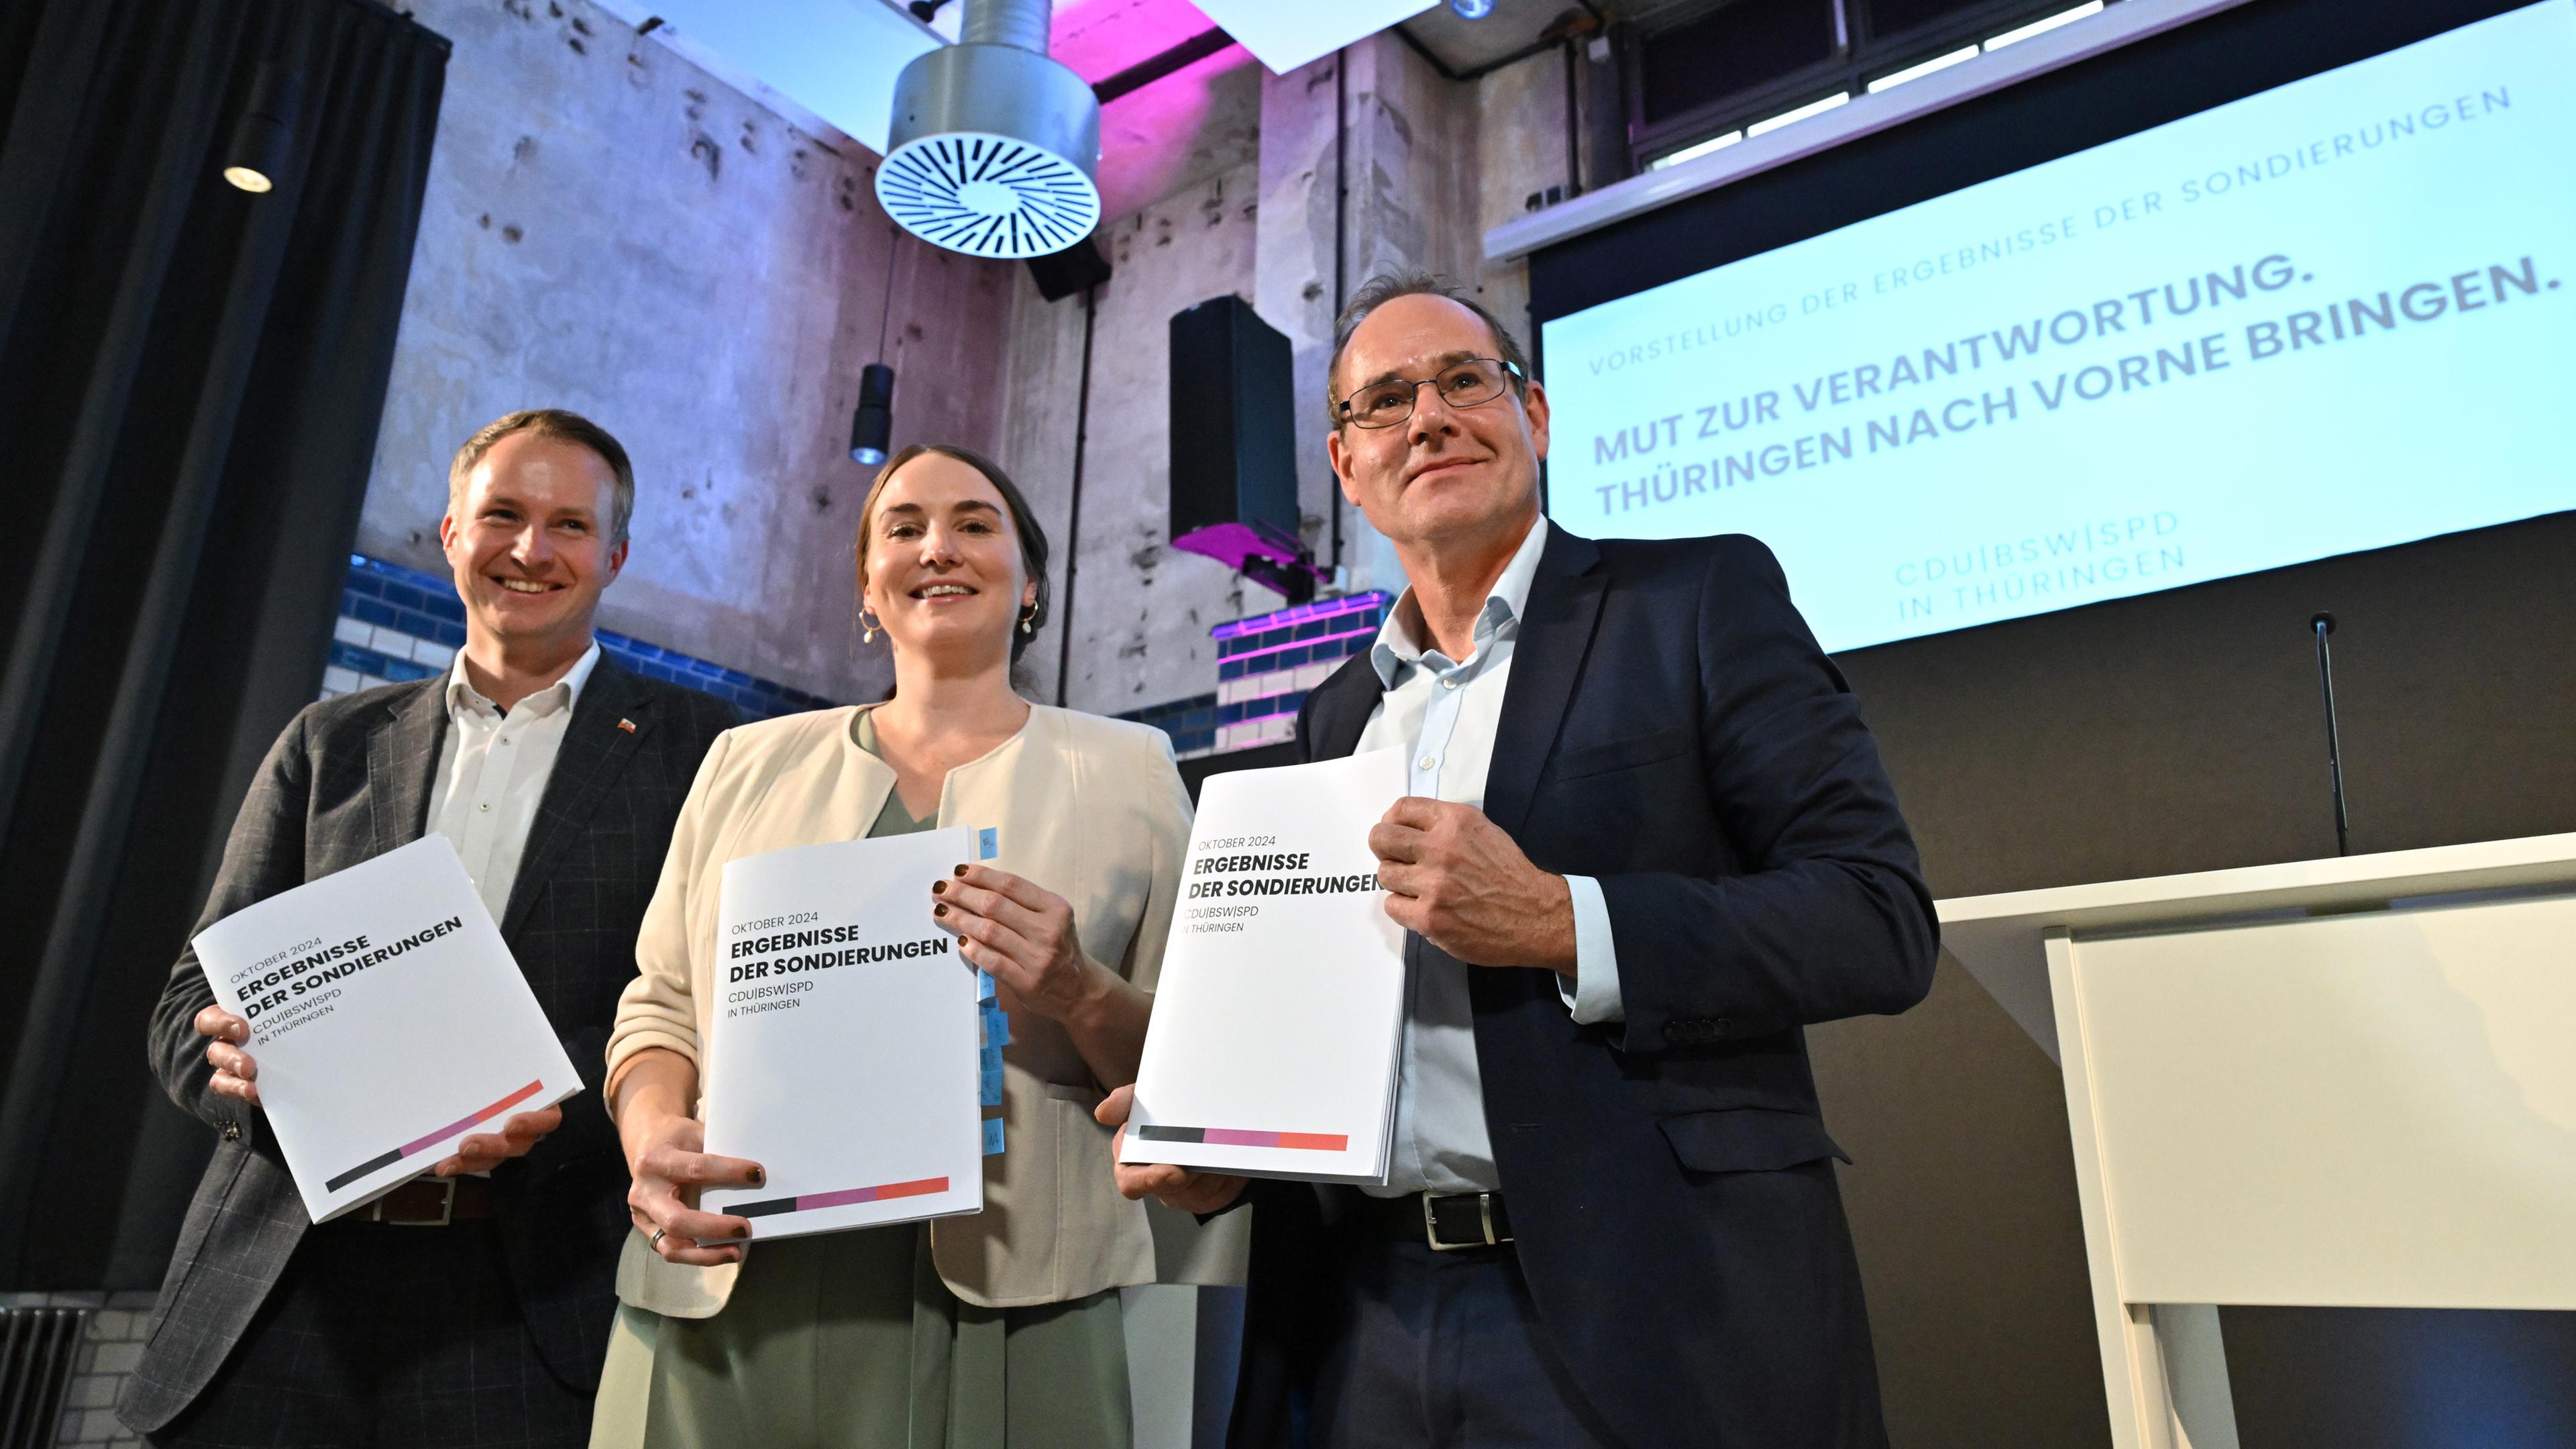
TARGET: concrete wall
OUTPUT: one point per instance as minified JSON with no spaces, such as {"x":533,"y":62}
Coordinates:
{"x":1200,"y":121}
{"x":1520,"y":148}
{"x":610,"y":230}
{"x":1428,"y":164}
{"x":1140,"y":612}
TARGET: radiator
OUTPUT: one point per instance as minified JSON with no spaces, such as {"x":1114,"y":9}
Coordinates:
{"x":38,"y":1349}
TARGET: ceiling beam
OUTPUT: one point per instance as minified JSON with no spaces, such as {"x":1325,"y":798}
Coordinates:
{"x":1154,"y":67}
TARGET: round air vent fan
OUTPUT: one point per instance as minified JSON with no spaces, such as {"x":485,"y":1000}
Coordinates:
{"x":987,"y":195}
{"x":994,"y":146}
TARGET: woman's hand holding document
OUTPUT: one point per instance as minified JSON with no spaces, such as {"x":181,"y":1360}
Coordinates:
{"x":844,"y":1059}
{"x":377,"y":1018}
{"x":1281,"y":1007}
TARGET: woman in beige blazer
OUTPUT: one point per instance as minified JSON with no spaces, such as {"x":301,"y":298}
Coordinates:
{"x":968,"y":1330}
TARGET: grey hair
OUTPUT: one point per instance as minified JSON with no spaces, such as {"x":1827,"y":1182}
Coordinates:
{"x":1385,"y":287}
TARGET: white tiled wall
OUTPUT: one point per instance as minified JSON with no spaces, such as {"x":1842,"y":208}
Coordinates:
{"x":1257,"y":731}
{"x":1285,"y":681}
{"x":109,"y":1352}
{"x":390,"y":642}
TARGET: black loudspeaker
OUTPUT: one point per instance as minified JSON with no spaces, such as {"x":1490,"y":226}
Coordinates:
{"x":1061,"y":274}
{"x":1234,"y":432}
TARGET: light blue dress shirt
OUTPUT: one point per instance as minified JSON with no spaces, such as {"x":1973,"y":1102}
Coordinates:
{"x":1444,"y":713}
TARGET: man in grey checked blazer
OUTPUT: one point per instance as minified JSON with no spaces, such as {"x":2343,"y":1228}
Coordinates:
{"x":461,"y":1309}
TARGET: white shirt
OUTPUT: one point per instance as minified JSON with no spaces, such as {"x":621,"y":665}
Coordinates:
{"x":1445,"y":713}
{"x":492,"y":771}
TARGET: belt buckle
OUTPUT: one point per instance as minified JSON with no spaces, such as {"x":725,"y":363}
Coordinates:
{"x":446,"y":1209}
{"x":1431,"y":1225}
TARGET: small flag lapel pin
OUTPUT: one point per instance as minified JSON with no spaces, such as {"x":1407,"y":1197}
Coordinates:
{"x":627,"y":725}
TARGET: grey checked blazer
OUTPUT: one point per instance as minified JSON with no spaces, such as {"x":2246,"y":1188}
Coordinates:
{"x":349,"y":780}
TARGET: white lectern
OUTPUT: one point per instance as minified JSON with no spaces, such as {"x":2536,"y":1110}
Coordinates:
{"x":2338,"y":1083}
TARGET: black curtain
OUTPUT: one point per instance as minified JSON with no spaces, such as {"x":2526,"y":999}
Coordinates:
{"x":190,"y":382}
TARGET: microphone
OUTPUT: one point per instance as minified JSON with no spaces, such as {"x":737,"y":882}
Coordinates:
{"x":2323,"y":624}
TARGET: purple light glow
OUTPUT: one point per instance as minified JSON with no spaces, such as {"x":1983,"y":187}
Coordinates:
{"x":1301,"y":613}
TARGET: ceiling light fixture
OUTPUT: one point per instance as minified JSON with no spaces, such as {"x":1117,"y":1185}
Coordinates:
{"x":995,"y":148}
{"x":265,"y":134}
{"x":872,"y":426}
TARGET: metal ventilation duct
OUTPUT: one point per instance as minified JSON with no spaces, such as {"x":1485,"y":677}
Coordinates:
{"x":995,"y":148}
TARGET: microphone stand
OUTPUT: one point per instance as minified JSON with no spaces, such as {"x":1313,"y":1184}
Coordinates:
{"x":2323,"y":623}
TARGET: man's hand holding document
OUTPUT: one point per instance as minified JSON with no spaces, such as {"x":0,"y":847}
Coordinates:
{"x":1281,"y":1006}
{"x":386,"y":1019}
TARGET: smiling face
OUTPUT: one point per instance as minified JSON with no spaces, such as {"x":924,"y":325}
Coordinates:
{"x":528,"y":538}
{"x":943,"y":571}
{"x":1445,"y":474}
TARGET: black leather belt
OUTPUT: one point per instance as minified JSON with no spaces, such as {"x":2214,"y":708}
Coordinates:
{"x":1459,"y":1220}
{"x":428,"y":1202}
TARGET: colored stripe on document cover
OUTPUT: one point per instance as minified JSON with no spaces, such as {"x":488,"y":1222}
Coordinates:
{"x":1234,"y":1137}
{"x":433,"y":1139}
{"x":812,"y":1201}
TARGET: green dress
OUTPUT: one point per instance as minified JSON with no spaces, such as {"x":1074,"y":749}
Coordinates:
{"x":850,"y":1340}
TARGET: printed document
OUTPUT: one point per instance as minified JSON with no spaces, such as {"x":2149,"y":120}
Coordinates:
{"x":844,"y":1057}
{"x":1281,"y":1006}
{"x":388,"y":1020}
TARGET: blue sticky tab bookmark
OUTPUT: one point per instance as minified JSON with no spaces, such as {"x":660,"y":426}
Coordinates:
{"x":991,"y":1085}
{"x":992,"y":1137}
{"x":987,"y":843}
{"x":983,"y":986}
{"x":999,"y":1032}
{"x":989,"y":1058}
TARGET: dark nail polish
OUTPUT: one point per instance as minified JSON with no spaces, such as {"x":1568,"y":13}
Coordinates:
{"x":938,"y":886}
{"x":757,"y":1178}
{"x":961,"y":870}
{"x":939,"y":910}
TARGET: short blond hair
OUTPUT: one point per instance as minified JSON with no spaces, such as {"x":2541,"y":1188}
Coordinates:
{"x":570,"y":427}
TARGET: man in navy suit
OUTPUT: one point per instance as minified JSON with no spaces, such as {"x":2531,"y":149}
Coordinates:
{"x":1647,"y":840}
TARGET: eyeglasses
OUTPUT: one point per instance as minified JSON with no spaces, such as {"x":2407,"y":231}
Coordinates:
{"x":1471,"y":383}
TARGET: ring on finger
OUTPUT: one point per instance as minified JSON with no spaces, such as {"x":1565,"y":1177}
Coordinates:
{"x":657,"y":1238}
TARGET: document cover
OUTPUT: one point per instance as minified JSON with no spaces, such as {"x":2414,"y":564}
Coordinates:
{"x":387,"y":1018}
{"x":843,"y":1057}
{"x":1281,"y":1008}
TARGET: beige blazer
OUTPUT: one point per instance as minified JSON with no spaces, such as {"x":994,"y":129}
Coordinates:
{"x":1089,"y":808}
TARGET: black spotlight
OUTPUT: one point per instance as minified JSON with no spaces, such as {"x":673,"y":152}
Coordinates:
{"x":258,"y":154}
{"x":872,"y":426}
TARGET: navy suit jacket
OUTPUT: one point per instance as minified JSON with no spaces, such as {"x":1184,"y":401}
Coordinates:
{"x":1672,"y":729}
